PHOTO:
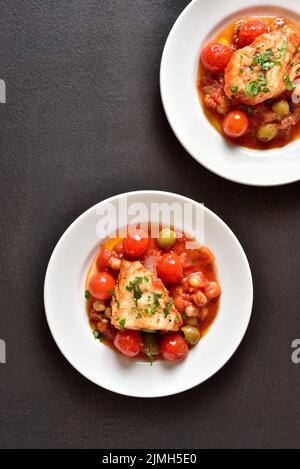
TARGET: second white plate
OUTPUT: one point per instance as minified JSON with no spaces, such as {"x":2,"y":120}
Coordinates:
{"x":181,"y":102}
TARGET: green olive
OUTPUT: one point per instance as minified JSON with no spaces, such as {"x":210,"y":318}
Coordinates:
{"x":191,"y":334}
{"x":166,"y":238}
{"x":150,"y":345}
{"x":282,"y":108}
{"x":267,"y":132}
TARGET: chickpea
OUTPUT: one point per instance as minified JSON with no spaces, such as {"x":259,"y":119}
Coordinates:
{"x":199,"y":298}
{"x":203,"y":313}
{"x":115,"y":263}
{"x":99,"y":305}
{"x":213,"y":290}
{"x":282,"y":108}
{"x":195,"y":280}
{"x":267,"y":132}
{"x":191,"y":311}
{"x":192,"y":321}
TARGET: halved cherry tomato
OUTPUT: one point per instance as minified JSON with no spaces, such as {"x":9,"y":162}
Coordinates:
{"x":250,"y":31}
{"x":136,"y":244}
{"x":174,"y":347}
{"x":103,"y":258}
{"x":169,"y":268}
{"x":215,"y":57}
{"x":235,"y":124}
{"x":128,"y":342}
{"x":101,"y":285}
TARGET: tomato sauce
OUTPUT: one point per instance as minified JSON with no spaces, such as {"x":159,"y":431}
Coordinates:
{"x":259,"y":114}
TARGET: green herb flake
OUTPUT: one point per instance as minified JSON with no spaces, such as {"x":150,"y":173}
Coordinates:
{"x":234,"y":88}
{"x":289,"y":85}
{"x":155,"y":304}
{"x":282,"y":50}
{"x":167,"y":308}
{"x":134,"y":287}
{"x":184,"y":316}
{"x":138,"y":316}
{"x":87,"y":294}
{"x":253,"y":88}
{"x":98,"y":335}
{"x":113,"y":294}
{"x":122,"y":323}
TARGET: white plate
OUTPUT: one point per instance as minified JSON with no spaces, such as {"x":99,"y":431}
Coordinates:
{"x":68,"y":322}
{"x":178,"y":75}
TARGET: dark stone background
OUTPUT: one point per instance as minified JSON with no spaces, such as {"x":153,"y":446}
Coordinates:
{"x":83,"y":122}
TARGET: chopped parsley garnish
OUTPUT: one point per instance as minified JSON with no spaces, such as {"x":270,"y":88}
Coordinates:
{"x":167,"y":308}
{"x":122,"y":323}
{"x":289,"y":85}
{"x":155,"y":304}
{"x":184,"y":316}
{"x":282,"y":50}
{"x":242,"y":70}
{"x":234,"y":88}
{"x":253,"y":88}
{"x":268,"y":59}
{"x":134,"y":287}
{"x":138,"y":316}
{"x":87,"y":294}
{"x":176,"y":318}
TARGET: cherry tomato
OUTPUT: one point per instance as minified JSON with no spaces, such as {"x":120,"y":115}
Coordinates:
{"x":251,"y":31}
{"x":235,"y":124}
{"x":103,"y":258}
{"x":215,"y":57}
{"x":128,"y":342}
{"x":101,"y":285}
{"x":174,"y":347}
{"x":169,"y":268}
{"x":136,"y":244}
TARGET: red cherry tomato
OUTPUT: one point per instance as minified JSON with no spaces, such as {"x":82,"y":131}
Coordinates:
{"x":101,"y":285}
{"x":136,"y":244}
{"x":235,"y":124}
{"x":169,"y":268}
{"x":215,"y":57}
{"x":103,"y":258}
{"x":251,"y":31}
{"x":173,"y":347}
{"x":128,"y":342}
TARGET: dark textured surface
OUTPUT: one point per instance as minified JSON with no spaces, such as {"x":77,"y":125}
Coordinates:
{"x":83,"y":122}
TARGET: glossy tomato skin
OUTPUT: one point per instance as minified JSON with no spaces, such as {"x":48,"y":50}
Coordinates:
{"x":101,"y":285}
{"x":136,"y":244}
{"x":103,"y":258}
{"x":128,"y":342}
{"x":215,"y":57}
{"x":235,"y":124}
{"x":250,"y":31}
{"x":174,"y":347}
{"x":169,"y":268}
